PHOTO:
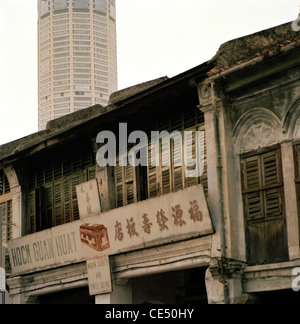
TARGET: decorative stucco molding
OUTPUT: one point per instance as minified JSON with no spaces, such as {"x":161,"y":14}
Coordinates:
{"x":291,"y":122}
{"x":256,"y":129}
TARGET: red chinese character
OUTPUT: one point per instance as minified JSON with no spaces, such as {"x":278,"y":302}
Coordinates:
{"x":177,"y":214}
{"x":195,"y":213}
{"x":161,"y":220}
{"x":147,"y":225}
{"x":119,"y":232}
{"x":131,"y":228}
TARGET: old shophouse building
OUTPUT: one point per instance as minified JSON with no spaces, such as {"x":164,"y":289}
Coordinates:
{"x":230,"y":235}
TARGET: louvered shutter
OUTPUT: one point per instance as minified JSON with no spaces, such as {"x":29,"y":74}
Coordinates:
{"x":58,"y":206}
{"x":130,"y":191}
{"x":125,"y":183}
{"x":191,"y":147}
{"x":190,"y":118}
{"x":152,"y":174}
{"x":48,"y":171}
{"x":271,"y":176}
{"x":166,"y":181}
{"x":75,"y":181}
{"x":67,"y":201}
{"x":262,"y":186}
{"x":32,"y":211}
{"x":119,"y":185}
{"x":177,"y":152}
{"x":91,"y":173}
{"x":57,"y":170}
{"x":252,"y":182}
{"x":178,"y":175}
{"x":152,"y":170}
{"x":165,"y":169}
{"x":48,"y":191}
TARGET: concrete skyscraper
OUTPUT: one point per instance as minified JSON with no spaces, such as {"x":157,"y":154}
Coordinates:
{"x":77,"y":55}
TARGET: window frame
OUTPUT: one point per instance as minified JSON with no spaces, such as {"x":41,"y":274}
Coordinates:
{"x":266,"y":236}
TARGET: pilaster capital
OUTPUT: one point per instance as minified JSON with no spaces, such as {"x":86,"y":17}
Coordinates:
{"x":225,"y":269}
{"x":211,"y":97}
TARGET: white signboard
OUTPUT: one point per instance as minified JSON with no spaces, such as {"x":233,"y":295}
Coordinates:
{"x":165,"y":219}
{"x":88,"y":199}
{"x":99,"y":276}
{"x":51,"y":248}
{"x":169,"y":218}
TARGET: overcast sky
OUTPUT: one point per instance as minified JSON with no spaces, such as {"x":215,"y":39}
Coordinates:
{"x":155,"y":38}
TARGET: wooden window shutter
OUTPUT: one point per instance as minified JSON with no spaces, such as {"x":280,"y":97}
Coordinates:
{"x":119,"y":185}
{"x":178,"y":169}
{"x":190,"y":118}
{"x":270,"y":167}
{"x":165,"y":171}
{"x":49,"y":205}
{"x":125,"y":183}
{"x":164,"y":176}
{"x":152,"y":171}
{"x":67,"y":166}
{"x":152,"y":176}
{"x":262,"y":185}
{"x":39,"y":175}
{"x":48,"y":171}
{"x":32,"y":211}
{"x":129,"y":179}
{"x":67,"y":201}
{"x":197,"y":149}
{"x":77,"y":163}
{"x":58,"y":203}
{"x":91,"y":173}
{"x":166,"y":180}
{"x":75,"y":181}
{"x":177,"y":123}
{"x":271,"y":176}
{"x":87,"y":157}
{"x":57,"y":170}
{"x":192,"y":149}
{"x":252,"y":182}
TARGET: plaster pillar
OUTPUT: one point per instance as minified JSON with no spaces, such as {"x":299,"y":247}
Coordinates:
{"x":16,"y":193}
{"x":291,"y":205}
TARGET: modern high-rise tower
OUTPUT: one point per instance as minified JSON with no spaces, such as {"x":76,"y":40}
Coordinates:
{"x":77,"y":55}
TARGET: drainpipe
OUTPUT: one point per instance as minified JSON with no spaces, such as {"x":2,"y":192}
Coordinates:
{"x":220,"y":184}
